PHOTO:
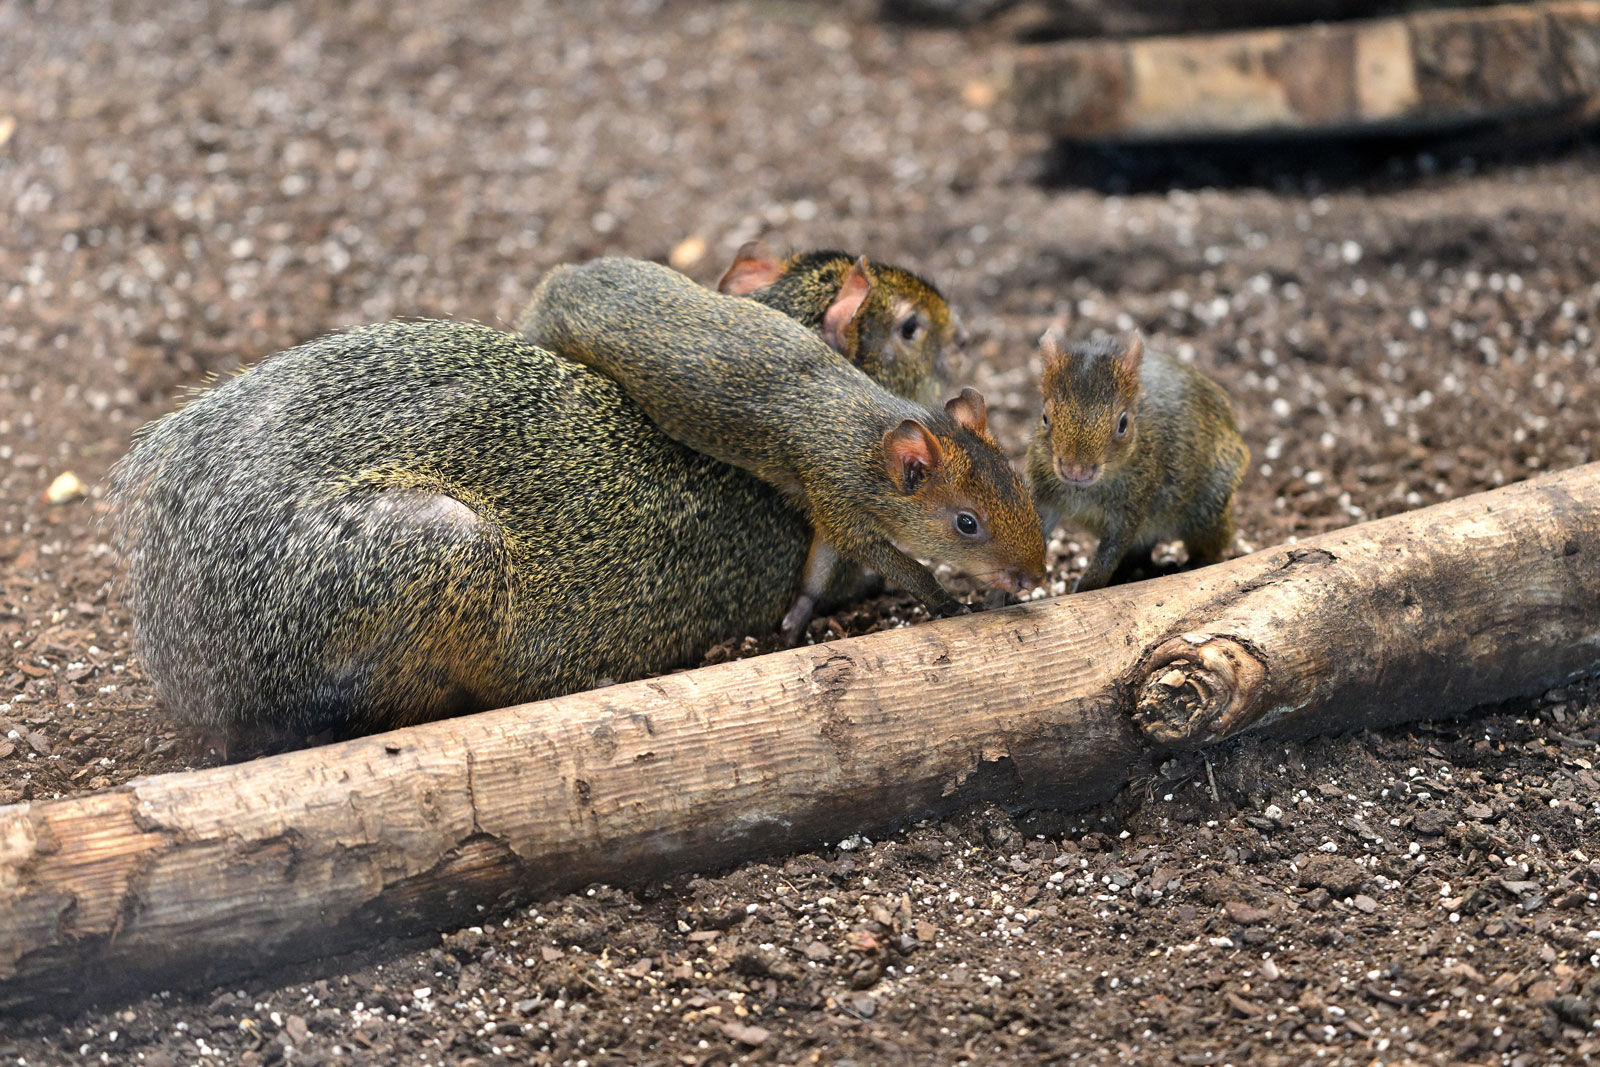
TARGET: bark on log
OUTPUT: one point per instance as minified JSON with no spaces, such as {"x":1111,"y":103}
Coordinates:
{"x":1427,"y":71}
{"x":189,"y":879}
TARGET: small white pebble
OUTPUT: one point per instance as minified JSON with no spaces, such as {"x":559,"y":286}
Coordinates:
{"x":66,"y":487}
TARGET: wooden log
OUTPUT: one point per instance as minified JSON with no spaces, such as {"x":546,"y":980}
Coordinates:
{"x":1426,"y":71}
{"x":1054,"y":19}
{"x":189,"y":879}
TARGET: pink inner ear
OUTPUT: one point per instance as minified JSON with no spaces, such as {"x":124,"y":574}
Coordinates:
{"x":755,"y":266}
{"x":911,"y":448}
{"x":969,"y":410}
{"x":1050,"y":357}
{"x":846,"y":305}
{"x":1132,"y":352}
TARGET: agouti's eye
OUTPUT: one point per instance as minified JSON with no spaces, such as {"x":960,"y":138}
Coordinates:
{"x":911,"y":328}
{"x":1044,"y":419}
{"x":1122,"y":425}
{"x":967,"y":524}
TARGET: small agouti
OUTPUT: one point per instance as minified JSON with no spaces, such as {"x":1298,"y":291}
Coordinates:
{"x":886,"y":320}
{"x":881,"y":478}
{"x":1137,"y":448}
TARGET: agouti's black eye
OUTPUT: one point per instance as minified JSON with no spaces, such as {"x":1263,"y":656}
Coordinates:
{"x":1122,"y":425}
{"x":911,"y":328}
{"x":1044,"y":419}
{"x":967,"y":524}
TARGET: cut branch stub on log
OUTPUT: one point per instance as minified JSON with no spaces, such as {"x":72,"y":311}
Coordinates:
{"x":1426,"y":71}
{"x":1199,"y":688}
{"x":186,"y":880}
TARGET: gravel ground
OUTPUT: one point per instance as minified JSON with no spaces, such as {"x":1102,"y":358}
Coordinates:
{"x":187,"y":187}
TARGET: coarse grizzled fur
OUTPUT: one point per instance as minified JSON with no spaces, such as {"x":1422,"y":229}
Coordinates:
{"x":416,"y":519}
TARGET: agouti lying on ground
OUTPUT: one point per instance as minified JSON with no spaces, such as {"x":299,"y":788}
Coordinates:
{"x":886,"y":320}
{"x":412,"y":520}
{"x":1137,"y":448}
{"x":882,"y":478}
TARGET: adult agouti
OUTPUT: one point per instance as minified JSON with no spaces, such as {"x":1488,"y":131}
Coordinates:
{"x":882,"y":479}
{"x":418,"y":519}
{"x":411,"y":520}
{"x":1136,"y":448}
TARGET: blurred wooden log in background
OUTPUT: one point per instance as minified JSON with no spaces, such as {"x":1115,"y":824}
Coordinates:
{"x":1428,"y":71}
{"x":1056,"y":19}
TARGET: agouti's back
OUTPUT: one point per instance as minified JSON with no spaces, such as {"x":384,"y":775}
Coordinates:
{"x":1188,"y":424}
{"x":415,"y":519}
{"x":729,"y":377}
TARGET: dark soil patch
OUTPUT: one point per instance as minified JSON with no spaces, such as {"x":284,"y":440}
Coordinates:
{"x":189,"y":188}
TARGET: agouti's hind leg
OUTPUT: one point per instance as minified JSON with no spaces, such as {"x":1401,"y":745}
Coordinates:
{"x":820,"y":562}
{"x":1131,"y":565}
{"x":1212,"y":542}
{"x":422,"y":636}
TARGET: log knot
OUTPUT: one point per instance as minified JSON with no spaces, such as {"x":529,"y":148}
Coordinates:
{"x":1198,"y":688}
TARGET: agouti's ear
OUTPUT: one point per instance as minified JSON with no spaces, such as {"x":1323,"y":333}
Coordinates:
{"x":1132,"y":353}
{"x":911,"y":453}
{"x":969,"y":410}
{"x":755,"y":266}
{"x":1051,"y":358}
{"x":846,"y":304}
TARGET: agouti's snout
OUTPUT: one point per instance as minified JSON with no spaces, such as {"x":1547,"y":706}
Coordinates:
{"x":1081,"y":475}
{"x":1014,"y":580}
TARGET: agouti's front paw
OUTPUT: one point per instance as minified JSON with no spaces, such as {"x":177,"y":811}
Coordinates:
{"x":949,"y":608}
{"x":995,"y":599}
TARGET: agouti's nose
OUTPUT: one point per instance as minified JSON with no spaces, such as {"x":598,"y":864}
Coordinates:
{"x":1079,"y":474}
{"x":1013,"y":580}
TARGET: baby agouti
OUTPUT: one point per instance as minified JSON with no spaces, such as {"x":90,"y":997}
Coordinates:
{"x":886,"y":320}
{"x":881,"y":478}
{"x":1137,"y":448}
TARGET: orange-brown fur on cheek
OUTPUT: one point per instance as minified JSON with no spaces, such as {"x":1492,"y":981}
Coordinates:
{"x":976,"y":477}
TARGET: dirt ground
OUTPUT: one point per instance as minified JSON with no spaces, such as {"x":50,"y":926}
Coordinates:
{"x":186,"y":187}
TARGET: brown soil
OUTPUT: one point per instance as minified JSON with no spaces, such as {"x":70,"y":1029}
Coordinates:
{"x":188,"y":188}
